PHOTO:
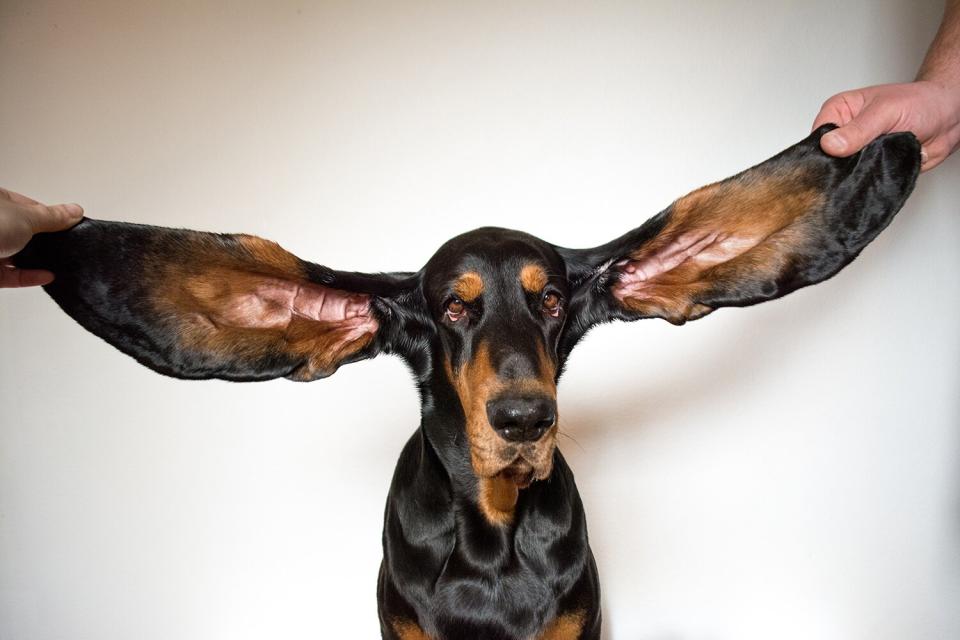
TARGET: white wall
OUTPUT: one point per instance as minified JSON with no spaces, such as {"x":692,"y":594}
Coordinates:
{"x":787,"y":471}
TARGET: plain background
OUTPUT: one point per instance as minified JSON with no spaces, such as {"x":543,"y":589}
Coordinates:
{"x":787,"y":471}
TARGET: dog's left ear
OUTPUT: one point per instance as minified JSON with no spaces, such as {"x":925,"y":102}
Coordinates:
{"x":792,"y":221}
{"x":197,"y":305}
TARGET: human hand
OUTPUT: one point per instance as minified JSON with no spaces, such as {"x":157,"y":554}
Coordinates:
{"x":931,"y":110}
{"x":20,"y":218}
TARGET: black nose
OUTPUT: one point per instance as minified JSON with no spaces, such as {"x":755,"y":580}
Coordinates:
{"x":521,"y":419}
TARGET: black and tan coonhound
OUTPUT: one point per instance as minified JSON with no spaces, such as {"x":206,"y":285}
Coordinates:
{"x":484,"y":534}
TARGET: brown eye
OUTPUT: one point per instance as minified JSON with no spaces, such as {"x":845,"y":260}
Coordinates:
{"x":456,"y":309}
{"x":551,"y":304}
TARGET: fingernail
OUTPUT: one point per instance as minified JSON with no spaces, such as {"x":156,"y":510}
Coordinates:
{"x":74,"y":209}
{"x":835,"y":141}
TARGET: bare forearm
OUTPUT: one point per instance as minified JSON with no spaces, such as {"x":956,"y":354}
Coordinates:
{"x":942,"y":62}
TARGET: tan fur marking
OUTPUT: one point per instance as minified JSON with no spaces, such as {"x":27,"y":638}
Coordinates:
{"x":498,"y":499}
{"x":476,"y":382}
{"x":243,"y":298}
{"x":407,"y":630}
{"x":533,"y":278}
{"x":469,"y":286}
{"x":269,"y":253}
{"x":568,"y":626}
{"x":749,"y":225}
{"x":548,"y":371}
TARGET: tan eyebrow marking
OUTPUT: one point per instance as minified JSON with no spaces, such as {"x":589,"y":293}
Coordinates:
{"x":533,"y":277}
{"x":469,"y":286}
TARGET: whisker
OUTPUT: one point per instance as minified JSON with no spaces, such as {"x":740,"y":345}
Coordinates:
{"x":562,"y":432}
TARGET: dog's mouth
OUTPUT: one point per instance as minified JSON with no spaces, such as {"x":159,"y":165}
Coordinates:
{"x":520,"y":472}
{"x":527,"y":464}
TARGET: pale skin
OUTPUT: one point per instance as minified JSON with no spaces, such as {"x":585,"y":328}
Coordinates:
{"x":20,"y":218}
{"x":929,"y":106}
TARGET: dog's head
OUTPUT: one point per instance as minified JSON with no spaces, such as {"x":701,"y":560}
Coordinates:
{"x":497,"y":299}
{"x":488,"y":323}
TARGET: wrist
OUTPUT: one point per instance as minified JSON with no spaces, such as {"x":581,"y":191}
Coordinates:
{"x":946,"y":82}
{"x":948,"y":87}
{"x":944,"y":77}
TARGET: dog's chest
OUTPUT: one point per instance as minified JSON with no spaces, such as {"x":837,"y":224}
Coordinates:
{"x":507,"y":582}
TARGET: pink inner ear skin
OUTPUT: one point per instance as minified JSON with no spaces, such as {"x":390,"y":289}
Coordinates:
{"x":274,"y":303}
{"x":695,"y":251}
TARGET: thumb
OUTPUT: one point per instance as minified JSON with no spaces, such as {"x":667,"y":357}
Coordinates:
{"x":53,"y":218}
{"x":855,"y":135}
{"x":10,"y":276}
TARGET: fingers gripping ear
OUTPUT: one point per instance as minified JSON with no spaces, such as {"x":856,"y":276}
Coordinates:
{"x":792,"y":221}
{"x":202,"y":305}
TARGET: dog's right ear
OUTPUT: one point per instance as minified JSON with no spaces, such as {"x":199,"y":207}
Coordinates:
{"x":789,"y":222}
{"x":201,"y":305}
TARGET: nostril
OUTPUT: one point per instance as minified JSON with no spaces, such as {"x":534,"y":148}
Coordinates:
{"x":510,"y":429}
{"x":544,"y":423}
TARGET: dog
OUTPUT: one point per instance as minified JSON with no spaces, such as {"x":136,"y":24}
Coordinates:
{"x":484,"y":532}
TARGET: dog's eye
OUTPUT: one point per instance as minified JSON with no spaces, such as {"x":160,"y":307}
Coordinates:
{"x":551,"y":304}
{"x":456,"y":309}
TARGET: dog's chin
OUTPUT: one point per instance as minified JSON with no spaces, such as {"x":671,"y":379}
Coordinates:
{"x":520,"y":473}
{"x":523,"y":472}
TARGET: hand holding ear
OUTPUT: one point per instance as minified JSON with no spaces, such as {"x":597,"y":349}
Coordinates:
{"x":929,"y":109}
{"x":20,"y":218}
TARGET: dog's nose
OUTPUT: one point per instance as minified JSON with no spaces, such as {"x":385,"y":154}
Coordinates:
{"x":521,"y":419}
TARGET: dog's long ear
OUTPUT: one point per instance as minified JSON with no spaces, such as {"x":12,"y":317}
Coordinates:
{"x":792,"y":221}
{"x":203,"y":305}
